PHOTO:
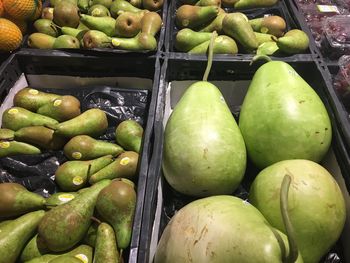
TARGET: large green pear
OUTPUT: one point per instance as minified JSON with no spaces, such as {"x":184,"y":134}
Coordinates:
{"x":204,"y":151}
{"x":316,"y":204}
{"x":283,"y":118}
{"x":221,"y":229}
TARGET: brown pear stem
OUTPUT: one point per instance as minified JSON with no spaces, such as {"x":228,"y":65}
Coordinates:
{"x":98,"y":221}
{"x":88,"y":171}
{"x":120,"y":255}
{"x":293,"y":248}
{"x":210,"y":56}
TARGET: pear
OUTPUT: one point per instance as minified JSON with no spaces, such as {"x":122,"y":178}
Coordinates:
{"x":82,"y":26}
{"x":32,"y":99}
{"x":47,"y":13}
{"x":96,"y":39}
{"x":66,"y":14}
{"x":17,"y":200}
{"x":106,"y":3}
{"x":263,"y":37}
{"x":125,"y":166}
{"x":136,"y":3}
{"x":92,"y":122}
{"x":64,"y":226}
{"x":16,"y":118}
{"x":98,"y":10}
{"x":283,"y":118}
{"x":104,"y":24}
{"x":129,"y":134}
{"x":128,"y":24}
{"x":7,"y":134}
{"x":84,"y":147}
{"x":40,"y":40}
{"x":65,"y":41}
{"x":91,"y":234}
{"x":195,"y":16}
{"x":61,"y":109}
{"x":151,"y":23}
{"x":116,"y":204}
{"x":60,"y":198}
{"x":141,"y":41}
{"x":237,"y":26}
{"x":244,"y":4}
{"x":120,"y":6}
{"x":65,"y":259}
{"x":186,"y":39}
{"x":46,"y":26}
{"x":313,"y":194}
{"x":222,"y":45}
{"x":293,"y":42}
{"x":74,"y":32}
{"x":209,"y":2}
{"x":83,"y":5}
{"x":215,"y":25}
{"x":11,"y":148}
{"x":152,"y":5}
{"x":106,"y":246}
{"x":267,"y":48}
{"x":34,"y":248}
{"x":15,"y":234}
{"x":40,"y":136}
{"x":274,"y":25}
{"x":73,"y":175}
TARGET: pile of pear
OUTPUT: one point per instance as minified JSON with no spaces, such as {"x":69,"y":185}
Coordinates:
{"x":128,"y":25}
{"x":267,"y":35}
{"x":94,"y":208}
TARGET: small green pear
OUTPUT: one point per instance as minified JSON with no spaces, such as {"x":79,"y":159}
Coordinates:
{"x":83,"y":5}
{"x":128,"y":134}
{"x":17,"y":200}
{"x":74,"y":32}
{"x":104,"y":24}
{"x":11,"y":148}
{"x":99,"y":10}
{"x":66,"y":41}
{"x":293,"y":42}
{"x":96,"y":39}
{"x":7,"y":134}
{"x":267,"y":48}
{"x":274,"y":25}
{"x":215,"y":25}
{"x":120,"y":6}
{"x":141,"y":41}
{"x":106,"y":245}
{"x":60,"y":198}
{"x":46,"y":26}
{"x":186,"y":39}
{"x":40,"y":40}
{"x":16,"y":118}
{"x":84,"y":147}
{"x":222,"y":45}
{"x":33,"y":249}
{"x":195,"y":16}
{"x":32,"y":99}
{"x":151,"y":23}
{"x":263,"y":37}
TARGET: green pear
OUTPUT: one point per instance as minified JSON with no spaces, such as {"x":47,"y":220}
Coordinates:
{"x":16,"y":118}
{"x":141,"y":41}
{"x":104,"y":24}
{"x":32,"y":99}
{"x":84,"y":147}
{"x":120,"y":6}
{"x":199,"y":165}
{"x":116,"y":204}
{"x":7,"y":134}
{"x":66,"y":41}
{"x":64,"y":226}
{"x":152,"y":5}
{"x":313,"y":194}
{"x":96,"y":39}
{"x":40,"y":136}
{"x":99,"y":10}
{"x":83,"y":5}
{"x":244,"y":4}
{"x":41,"y":41}
{"x":66,"y":14}
{"x":61,"y":109}
{"x":136,"y":3}
{"x":34,"y":248}
{"x":46,"y":26}
{"x":106,"y":245}
{"x":215,"y":25}
{"x":293,"y":42}
{"x":186,"y":39}
{"x":209,"y":2}
{"x":263,"y":37}
{"x":66,"y":259}
{"x":222,"y":45}
{"x":283,"y":118}
{"x":128,"y":134}
{"x":74,"y":32}
{"x":82,"y":26}
{"x":82,"y":252}
{"x":267,"y":48}
{"x":14,"y":235}
{"x":92,"y":122}
{"x":47,"y":13}
{"x":91,"y":234}
{"x":128,"y":24}
{"x":60,"y":198}
{"x":151,"y":23}
{"x":11,"y":148}
{"x":274,"y":25}
{"x":17,"y":200}
{"x":125,"y":166}
{"x":74,"y":175}
{"x":195,"y":16}
{"x":106,"y":3}
{"x":237,"y":26}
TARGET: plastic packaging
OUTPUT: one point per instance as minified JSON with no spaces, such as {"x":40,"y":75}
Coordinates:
{"x":341,"y":81}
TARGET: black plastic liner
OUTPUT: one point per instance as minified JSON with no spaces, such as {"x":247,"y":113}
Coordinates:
{"x":177,"y":69}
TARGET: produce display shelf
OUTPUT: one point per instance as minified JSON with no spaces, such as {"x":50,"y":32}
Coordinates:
{"x":163,"y":202}
{"x":71,"y":72}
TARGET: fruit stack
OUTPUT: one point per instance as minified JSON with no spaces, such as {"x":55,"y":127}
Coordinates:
{"x":90,"y":24}
{"x":14,"y":18}
{"x":195,"y":22}
{"x":96,"y":182}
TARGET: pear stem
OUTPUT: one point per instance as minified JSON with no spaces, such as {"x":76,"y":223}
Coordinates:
{"x":293,"y":247}
{"x":88,"y":171}
{"x":210,"y":55}
{"x":98,"y":221}
{"x":120,"y":255}
{"x":260,"y":57}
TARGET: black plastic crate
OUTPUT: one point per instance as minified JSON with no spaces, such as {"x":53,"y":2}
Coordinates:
{"x":279,"y":9}
{"x":132,"y":74}
{"x":163,"y":201}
